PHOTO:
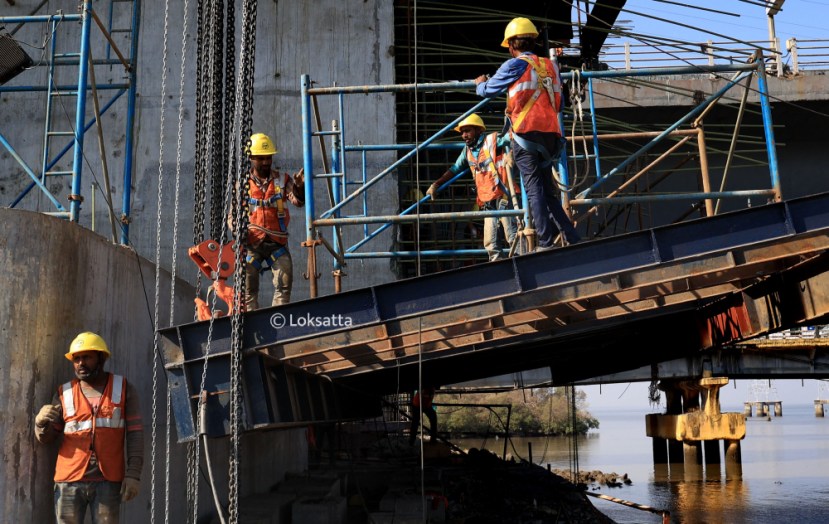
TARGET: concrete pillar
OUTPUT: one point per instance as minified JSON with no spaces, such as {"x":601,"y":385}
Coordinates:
{"x":733,"y":460}
{"x":660,"y":450}
{"x":747,"y":409}
{"x":673,"y":406}
{"x":818,"y":408}
{"x":712,"y":451}
{"x":778,"y":409}
{"x":765,"y":408}
{"x":692,"y":452}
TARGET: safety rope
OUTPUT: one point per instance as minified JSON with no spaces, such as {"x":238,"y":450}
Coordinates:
{"x":156,"y":349}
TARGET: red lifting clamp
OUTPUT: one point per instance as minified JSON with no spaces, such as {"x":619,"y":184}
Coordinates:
{"x":216,"y":261}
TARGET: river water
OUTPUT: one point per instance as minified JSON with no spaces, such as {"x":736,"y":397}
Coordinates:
{"x":785,"y":470}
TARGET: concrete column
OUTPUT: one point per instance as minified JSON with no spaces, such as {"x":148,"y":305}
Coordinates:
{"x":765,"y":409}
{"x":778,"y":409}
{"x":692,"y":452}
{"x":747,"y":409}
{"x":660,"y":450}
{"x":818,"y":408}
{"x":733,"y":460}
{"x":673,"y":406}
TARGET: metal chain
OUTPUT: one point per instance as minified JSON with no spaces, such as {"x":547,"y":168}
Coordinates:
{"x":244,"y":116}
{"x":200,"y":155}
{"x":156,"y":350}
{"x":223,"y":106}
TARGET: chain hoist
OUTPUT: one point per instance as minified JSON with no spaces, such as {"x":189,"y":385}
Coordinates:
{"x":244,"y":110}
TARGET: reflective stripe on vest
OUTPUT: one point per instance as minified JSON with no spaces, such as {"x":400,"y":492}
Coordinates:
{"x":269,"y":218}
{"x":531,"y":106}
{"x":116,"y":421}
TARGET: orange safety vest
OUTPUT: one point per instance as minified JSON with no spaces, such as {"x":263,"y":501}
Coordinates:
{"x":529,"y":106}
{"x":488,"y":168}
{"x":269,"y":217}
{"x":84,"y":430}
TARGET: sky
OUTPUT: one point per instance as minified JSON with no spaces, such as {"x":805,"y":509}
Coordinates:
{"x":720,"y":20}
{"x":803,"y":19}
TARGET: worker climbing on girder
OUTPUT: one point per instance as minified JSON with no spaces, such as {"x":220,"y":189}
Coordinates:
{"x":267,"y":239}
{"x":102,"y":450}
{"x":533,"y":104}
{"x":422,"y":405}
{"x":486,"y":156}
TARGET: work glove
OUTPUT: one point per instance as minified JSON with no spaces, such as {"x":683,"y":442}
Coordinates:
{"x":129,"y":488}
{"x":508,"y":160}
{"x":432,"y":191}
{"x":299,"y":178}
{"x":47,"y":415}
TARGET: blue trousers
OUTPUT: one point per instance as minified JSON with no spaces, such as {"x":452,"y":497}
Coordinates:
{"x":102,"y":499}
{"x":548,"y":216}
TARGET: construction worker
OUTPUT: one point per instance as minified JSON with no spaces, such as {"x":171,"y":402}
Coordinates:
{"x":102,"y":449}
{"x":267,"y":246}
{"x":533,"y":103}
{"x":484,"y":156}
{"x":423,"y":403}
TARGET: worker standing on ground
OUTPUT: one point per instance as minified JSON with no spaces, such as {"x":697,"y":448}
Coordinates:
{"x":484,"y":155}
{"x":102,"y":450}
{"x":423,"y":402}
{"x":533,"y":104}
{"x":267,"y":243}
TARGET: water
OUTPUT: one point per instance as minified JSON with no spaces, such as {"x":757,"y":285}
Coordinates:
{"x":785,"y":470}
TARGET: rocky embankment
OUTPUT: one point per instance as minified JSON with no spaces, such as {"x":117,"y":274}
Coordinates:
{"x":596,"y":478}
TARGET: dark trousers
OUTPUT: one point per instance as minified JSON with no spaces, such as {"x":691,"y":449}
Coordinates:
{"x":432,"y":415}
{"x":548,"y":216}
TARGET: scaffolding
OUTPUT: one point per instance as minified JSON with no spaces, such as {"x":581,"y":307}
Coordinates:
{"x":617,"y":186}
{"x":79,"y":64}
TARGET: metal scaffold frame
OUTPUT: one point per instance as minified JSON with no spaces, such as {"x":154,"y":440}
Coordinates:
{"x":339,"y":182}
{"x":86,"y":85}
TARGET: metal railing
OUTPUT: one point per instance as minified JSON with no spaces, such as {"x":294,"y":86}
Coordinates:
{"x":798,"y":55}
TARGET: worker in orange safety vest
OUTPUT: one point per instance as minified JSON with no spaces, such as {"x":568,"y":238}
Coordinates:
{"x":267,"y":236}
{"x":101,"y":453}
{"x":484,"y":155}
{"x":533,"y":104}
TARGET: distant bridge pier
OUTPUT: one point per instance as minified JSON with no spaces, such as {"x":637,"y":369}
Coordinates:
{"x":819,"y":407}
{"x":697,"y":430}
{"x":761,"y":407}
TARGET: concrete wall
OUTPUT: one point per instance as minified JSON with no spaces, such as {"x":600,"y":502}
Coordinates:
{"x":343,"y":42}
{"x":61,"y":279}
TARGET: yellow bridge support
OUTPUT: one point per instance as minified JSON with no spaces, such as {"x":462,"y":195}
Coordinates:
{"x":682,"y":434}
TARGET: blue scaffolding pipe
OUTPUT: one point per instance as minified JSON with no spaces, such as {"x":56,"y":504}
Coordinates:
{"x":307,"y":159}
{"x":412,"y":254}
{"x":656,"y":197}
{"x":401,"y":160}
{"x":37,"y":19}
{"x":414,"y":207}
{"x":332,"y":217}
{"x":594,"y":125}
{"x":647,"y":147}
{"x":128,"y":149}
{"x":455,"y":216}
{"x":66,"y":148}
{"x":77,"y":165}
{"x":768,"y":128}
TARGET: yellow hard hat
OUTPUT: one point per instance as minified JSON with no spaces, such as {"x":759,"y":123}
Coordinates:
{"x":519,"y":27}
{"x":87,"y":341}
{"x":471,"y":120}
{"x":261,"y":144}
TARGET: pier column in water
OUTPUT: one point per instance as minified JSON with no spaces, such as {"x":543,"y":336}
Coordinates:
{"x":778,"y":409}
{"x":747,"y":409}
{"x":819,"y":408}
{"x":733,"y":460}
{"x":693,"y":430}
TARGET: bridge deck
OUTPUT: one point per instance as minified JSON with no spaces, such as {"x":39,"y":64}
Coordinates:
{"x":667,"y":292}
